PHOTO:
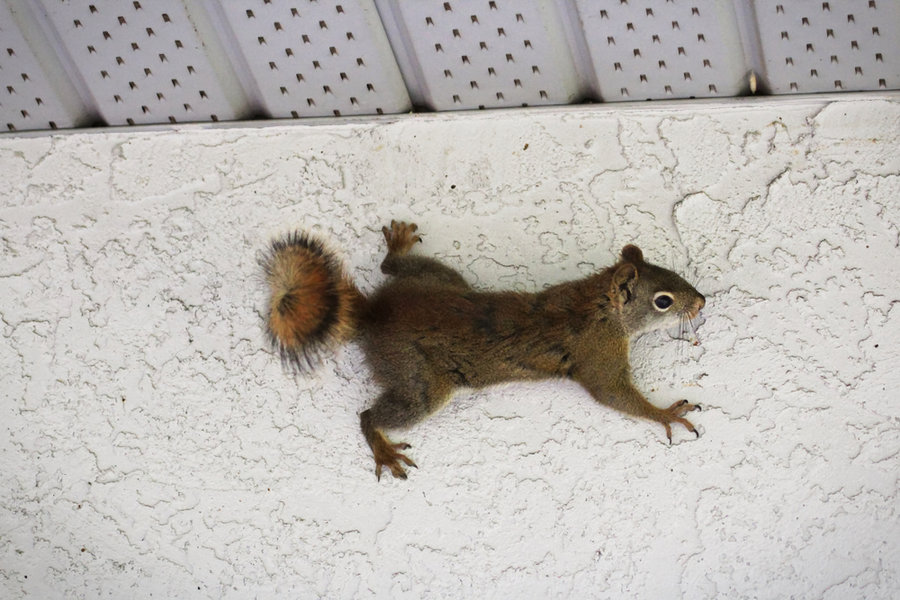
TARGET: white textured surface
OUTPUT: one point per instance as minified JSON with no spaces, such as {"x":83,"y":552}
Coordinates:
{"x":151,"y":446}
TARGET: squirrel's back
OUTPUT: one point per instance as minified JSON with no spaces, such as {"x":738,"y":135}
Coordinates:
{"x":313,"y":304}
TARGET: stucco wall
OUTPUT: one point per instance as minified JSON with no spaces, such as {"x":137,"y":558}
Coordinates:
{"x":151,"y":445}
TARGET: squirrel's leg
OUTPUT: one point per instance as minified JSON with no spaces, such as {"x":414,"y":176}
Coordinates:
{"x":619,"y":393}
{"x":400,"y":238}
{"x":398,"y":409}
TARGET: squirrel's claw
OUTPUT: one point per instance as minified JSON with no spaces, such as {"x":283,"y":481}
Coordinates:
{"x":388,"y":455}
{"x":674,"y":414}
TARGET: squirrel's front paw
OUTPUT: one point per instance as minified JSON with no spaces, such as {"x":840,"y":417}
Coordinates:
{"x":675,"y":414}
{"x":400,"y":237}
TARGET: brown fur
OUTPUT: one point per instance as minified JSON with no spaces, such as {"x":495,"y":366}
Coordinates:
{"x":426,"y":332}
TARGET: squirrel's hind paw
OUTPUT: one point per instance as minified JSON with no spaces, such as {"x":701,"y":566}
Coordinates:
{"x":387,"y":455}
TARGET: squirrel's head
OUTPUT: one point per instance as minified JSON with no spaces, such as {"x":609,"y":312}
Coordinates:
{"x":650,"y":297}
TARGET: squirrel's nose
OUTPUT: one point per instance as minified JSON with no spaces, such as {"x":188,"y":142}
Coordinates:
{"x":700,"y":302}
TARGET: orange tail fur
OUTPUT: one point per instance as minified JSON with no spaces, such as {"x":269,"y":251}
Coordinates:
{"x":313,"y":303}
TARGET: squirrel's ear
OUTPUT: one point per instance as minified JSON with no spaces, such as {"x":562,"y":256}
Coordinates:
{"x":623,"y":281}
{"x":632,"y":254}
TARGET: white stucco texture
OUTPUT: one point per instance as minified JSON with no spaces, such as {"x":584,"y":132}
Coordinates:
{"x":152,"y":444}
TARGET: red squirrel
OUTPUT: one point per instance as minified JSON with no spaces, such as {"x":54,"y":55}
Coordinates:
{"x":427,"y":333}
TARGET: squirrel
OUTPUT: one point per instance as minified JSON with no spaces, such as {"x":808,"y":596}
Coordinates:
{"x":427,"y":333}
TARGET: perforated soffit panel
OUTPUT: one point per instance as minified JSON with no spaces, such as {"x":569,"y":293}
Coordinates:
{"x":76,"y":63}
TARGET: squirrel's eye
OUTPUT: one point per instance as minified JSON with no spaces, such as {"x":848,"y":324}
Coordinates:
{"x":663,"y":301}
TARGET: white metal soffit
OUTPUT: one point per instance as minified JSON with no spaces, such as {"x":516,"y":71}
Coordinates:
{"x":78,"y":63}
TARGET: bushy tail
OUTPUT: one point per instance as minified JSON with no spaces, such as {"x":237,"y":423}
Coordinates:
{"x":313,"y":303}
